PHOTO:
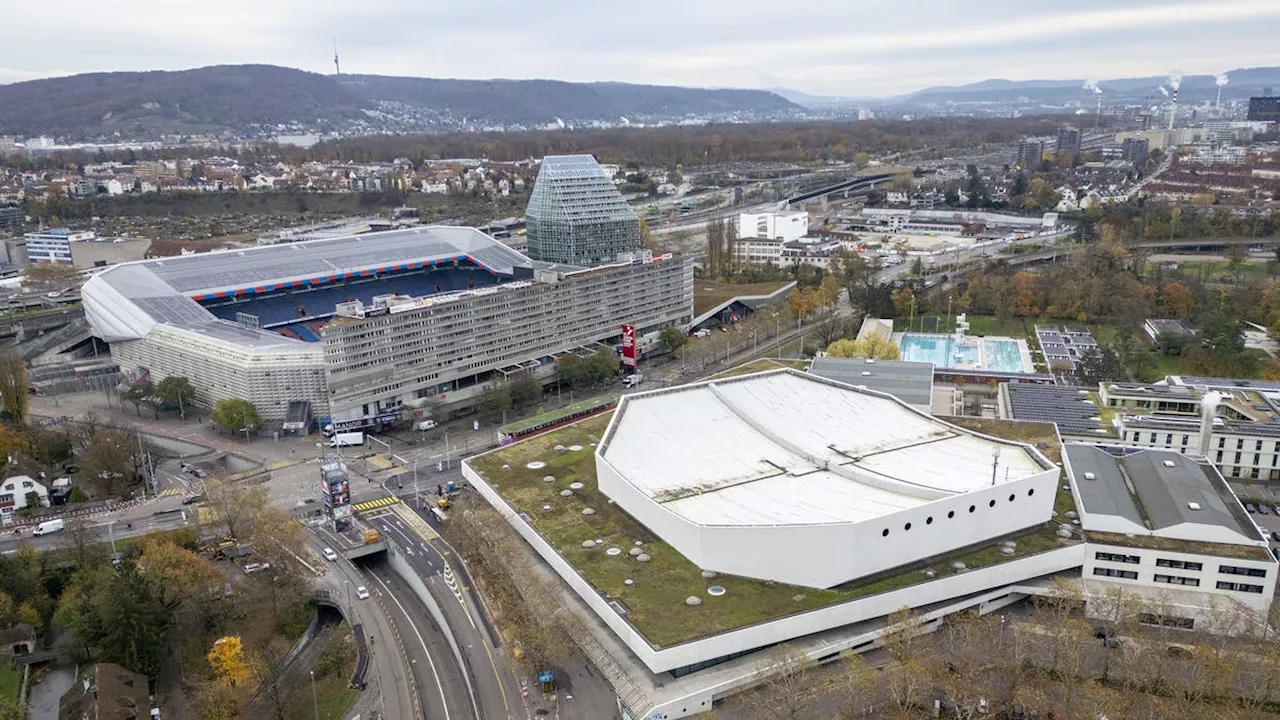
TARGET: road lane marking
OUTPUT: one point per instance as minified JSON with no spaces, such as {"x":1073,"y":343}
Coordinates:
{"x":427,"y":652}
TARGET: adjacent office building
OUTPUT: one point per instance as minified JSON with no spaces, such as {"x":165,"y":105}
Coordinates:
{"x":1264,"y":109}
{"x":576,"y":216}
{"x":53,"y":246}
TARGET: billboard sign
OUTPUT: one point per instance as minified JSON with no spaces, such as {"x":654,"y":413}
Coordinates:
{"x":343,"y":512}
{"x":629,"y":346}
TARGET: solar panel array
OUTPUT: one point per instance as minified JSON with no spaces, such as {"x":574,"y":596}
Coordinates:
{"x":1064,"y":406}
{"x":1064,"y":346}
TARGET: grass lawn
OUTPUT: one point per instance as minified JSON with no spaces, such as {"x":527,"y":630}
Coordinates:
{"x":760,"y":366}
{"x":655,"y":603}
{"x":708,"y":293}
{"x":334,"y":666}
{"x":10,"y":679}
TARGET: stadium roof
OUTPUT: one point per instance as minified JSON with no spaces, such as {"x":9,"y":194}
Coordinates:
{"x":126,"y":301}
{"x":784,"y":447}
{"x":1157,"y":490}
{"x":910,"y":382}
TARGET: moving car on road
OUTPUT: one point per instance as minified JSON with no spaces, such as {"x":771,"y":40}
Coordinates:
{"x":330,"y":555}
{"x":362,"y":592}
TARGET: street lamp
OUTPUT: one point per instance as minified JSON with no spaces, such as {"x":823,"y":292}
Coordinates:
{"x":315,"y":700}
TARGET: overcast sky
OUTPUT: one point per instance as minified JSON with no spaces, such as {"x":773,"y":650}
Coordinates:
{"x":835,"y":47}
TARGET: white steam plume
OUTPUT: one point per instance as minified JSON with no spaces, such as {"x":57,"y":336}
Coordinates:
{"x":1175,"y":81}
{"x":1163,"y":91}
{"x":1091,"y":85}
{"x":1222,"y":79}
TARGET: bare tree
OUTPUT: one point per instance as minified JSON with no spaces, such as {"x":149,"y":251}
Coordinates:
{"x":787,"y":690}
{"x":13,"y":388}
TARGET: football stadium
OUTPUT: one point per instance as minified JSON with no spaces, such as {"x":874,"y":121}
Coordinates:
{"x":361,"y":327}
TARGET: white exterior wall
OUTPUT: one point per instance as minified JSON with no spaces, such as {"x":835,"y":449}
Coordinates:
{"x":1208,"y":576}
{"x":773,"y":226}
{"x":849,"y":550}
{"x":270,"y":380}
{"x":748,"y":638}
{"x":1259,"y":457}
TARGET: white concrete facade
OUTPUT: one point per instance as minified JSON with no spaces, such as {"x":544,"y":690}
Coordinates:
{"x":749,"y":475}
{"x":784,"y":226}
{"x":787,"y":628}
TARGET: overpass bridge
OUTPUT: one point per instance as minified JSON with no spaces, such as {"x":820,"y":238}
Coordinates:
{"x":845,"y":187}
{"x":1053,"y":253}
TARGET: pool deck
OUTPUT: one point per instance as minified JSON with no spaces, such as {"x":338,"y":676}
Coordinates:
{"x":1024,"y":352}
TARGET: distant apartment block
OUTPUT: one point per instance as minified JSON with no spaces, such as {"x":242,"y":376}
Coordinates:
{"x":1068,"y":141}
{"x":11,"y":218}
{"x":576,"y":216}
{"x":1136,"y":150}
{"x":1030,"y":152}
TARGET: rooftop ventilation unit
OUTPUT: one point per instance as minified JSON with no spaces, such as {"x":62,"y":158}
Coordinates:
{"x":1090,"y":476}
{"x":1193,"y":505}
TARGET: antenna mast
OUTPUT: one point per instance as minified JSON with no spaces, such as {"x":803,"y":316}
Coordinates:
{"x":337,"y":69}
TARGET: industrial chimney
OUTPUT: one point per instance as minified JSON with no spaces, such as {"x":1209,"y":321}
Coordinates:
{"x":1173,"y":108}
{"x":1208,"y":410}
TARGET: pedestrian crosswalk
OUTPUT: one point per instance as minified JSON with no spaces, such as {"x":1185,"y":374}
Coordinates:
{"x":170,"y":492}
{"x":375,"y":504}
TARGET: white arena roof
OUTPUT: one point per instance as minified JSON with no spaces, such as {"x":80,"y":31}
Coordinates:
{"x":786,"y":448}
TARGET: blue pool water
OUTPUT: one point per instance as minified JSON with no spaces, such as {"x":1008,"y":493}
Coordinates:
{"x":1003,"y":355}
{"x":944,"y":352}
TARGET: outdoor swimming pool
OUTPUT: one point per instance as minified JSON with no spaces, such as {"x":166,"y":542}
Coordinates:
{"x":1001,"y":355}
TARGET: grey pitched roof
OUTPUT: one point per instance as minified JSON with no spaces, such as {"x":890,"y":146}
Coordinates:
{"x":910,"y":382}
{"x":1155,"y":488}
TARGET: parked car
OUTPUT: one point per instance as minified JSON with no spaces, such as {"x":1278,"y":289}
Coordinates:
{"x":362,"y":593}
{"x":1262,"y":509}
{"x":1250,"y":508}
{"x":1275,"y":535}
{"x":330,"y":555}
{"x":193,"y":500}
{"x":1276,"y":509}
{"x":255,"y":567}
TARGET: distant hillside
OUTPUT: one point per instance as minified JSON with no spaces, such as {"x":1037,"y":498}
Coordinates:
{"x":136,"y":103}
{"x":259,"y":97}
{"x":544,"y":101}
{"x":1241,"y":84}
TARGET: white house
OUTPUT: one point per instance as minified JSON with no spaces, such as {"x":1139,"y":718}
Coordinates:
{"x":13,"y":496}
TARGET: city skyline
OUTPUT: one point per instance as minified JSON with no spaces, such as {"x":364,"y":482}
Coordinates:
{"x":854,"y":49}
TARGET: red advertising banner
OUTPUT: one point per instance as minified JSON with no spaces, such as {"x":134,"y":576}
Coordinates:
{"x":629,"y":346}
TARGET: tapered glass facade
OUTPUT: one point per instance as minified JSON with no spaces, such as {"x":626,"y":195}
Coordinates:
{"x":576,"y":216}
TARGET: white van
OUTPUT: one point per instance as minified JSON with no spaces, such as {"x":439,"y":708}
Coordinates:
{"x":631,"y":381}
{"x":427,"y":425}
{"x":50,"y":526}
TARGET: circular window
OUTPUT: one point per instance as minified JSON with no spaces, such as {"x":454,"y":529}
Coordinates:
{"x":972,"y":508}
{"x":1031,"y":492}
{"x":907,"y":526}
{"x":1011,"y":497}
{"x":951,"y":514}
{"x":884,"y":533}
{"x":991,"y":504}
{"x":928,"y":520}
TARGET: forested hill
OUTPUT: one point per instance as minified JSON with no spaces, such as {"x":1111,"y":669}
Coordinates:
{"x":262,"y":98}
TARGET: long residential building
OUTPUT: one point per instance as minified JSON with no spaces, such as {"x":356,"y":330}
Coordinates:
{"x":362,"y":327}
{"x":1233,"y":423}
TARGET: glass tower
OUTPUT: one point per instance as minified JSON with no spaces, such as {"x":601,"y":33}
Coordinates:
{"x":576,"y":216}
